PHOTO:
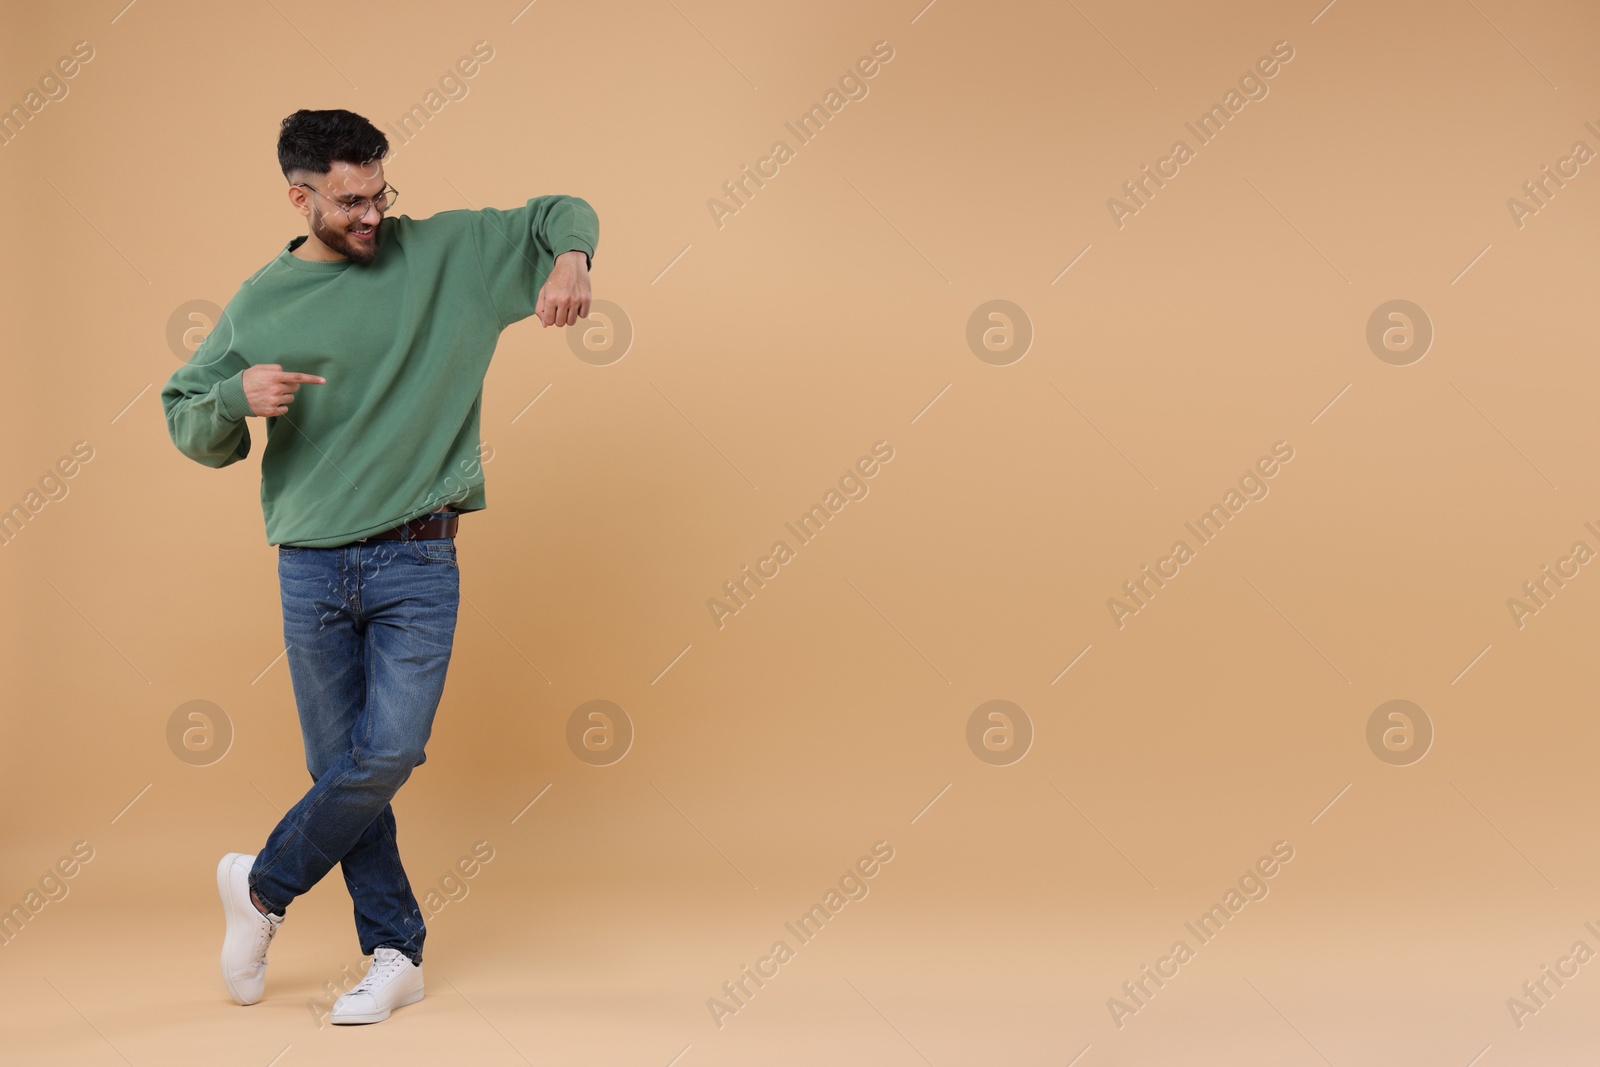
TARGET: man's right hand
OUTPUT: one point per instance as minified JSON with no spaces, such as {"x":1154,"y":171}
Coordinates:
{"x":270,"y":389}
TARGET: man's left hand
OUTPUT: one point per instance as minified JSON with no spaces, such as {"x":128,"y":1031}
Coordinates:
{"x":565,"y":296}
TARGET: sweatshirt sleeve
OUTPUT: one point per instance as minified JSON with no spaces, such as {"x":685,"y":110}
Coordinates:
{"x":205,"y":404}
{"x":517,"y":248}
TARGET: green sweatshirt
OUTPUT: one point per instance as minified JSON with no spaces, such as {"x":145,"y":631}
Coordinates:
{"x":404,"y":343}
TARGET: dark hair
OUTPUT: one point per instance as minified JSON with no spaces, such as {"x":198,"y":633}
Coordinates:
{"x":314,"y":140}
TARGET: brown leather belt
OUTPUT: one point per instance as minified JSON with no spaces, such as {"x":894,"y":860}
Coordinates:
{"x":438,"y":524}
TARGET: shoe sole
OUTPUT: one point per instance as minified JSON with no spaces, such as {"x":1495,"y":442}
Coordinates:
{"x":231,"y":915}
{"x":374,"y":1016}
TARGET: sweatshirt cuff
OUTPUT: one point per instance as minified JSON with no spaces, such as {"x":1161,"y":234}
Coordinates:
{"x":575,"y":243}
{"x":231,"y":401}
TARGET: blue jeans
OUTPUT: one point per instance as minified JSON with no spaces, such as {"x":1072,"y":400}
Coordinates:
{"x":369,"y":628}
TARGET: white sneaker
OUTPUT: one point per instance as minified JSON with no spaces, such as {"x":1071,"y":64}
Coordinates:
{"x":244,"y":945}
{"x":392,"y":981}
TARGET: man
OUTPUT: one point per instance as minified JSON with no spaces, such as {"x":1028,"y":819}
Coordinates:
{"x":390,"y":322}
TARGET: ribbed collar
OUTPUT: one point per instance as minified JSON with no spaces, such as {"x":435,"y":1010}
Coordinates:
{"x":289,"y":259}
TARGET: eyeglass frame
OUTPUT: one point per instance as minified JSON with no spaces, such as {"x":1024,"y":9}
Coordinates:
{"x":367,"y":200}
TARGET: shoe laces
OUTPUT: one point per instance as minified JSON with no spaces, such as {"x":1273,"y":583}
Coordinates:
{"x":385,"y":964}
{"x":264,"y":938}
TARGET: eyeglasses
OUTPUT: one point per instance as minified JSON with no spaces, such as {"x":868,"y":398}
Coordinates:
{"x":357,"y":209}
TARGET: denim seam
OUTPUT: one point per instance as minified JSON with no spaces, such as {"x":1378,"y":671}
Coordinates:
{"x":368,"y":655}
{"x":416,"y":931}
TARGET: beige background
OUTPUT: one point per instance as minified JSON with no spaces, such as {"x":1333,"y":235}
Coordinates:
{"x":831,"y":312}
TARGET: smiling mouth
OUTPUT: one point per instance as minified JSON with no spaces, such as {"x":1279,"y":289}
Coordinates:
{"x":363,"y":234}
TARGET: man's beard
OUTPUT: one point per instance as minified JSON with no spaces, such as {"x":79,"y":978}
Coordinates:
{"x":341,"y":243}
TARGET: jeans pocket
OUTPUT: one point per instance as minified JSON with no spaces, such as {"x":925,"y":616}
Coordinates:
{"x":289,"y":550}
{"x":435,"y":550}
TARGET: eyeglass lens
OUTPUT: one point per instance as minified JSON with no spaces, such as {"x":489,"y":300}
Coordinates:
{"x":356,"y":209}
